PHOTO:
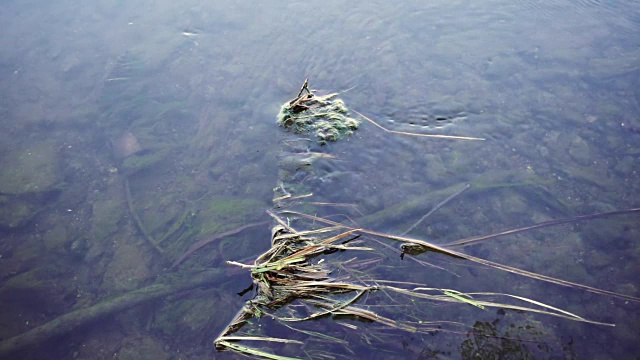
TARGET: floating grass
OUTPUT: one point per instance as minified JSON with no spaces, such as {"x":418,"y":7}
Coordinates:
{"x":251,"y":351}
{"x":287,"y":273}
{"x":453,"y":253}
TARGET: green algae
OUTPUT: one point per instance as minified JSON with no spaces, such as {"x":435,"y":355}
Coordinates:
{"x":223,"y":213}
{"x":326,"y":117}
{"x":144,"y":160}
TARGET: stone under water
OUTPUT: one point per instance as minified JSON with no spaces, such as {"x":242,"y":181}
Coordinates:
{"x":125,"y":145}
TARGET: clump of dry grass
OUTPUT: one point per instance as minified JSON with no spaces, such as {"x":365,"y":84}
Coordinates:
{"x":297,"y":268}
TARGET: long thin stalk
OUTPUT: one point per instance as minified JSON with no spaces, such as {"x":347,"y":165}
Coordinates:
{"x":477,"y":239}
{"x":450,"y":137}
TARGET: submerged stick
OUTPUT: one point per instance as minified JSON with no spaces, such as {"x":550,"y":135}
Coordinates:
{"x":435,"y":208}
{"x":137,"y":219}
{"x":73,"y":320}
{"x":199,"y":245}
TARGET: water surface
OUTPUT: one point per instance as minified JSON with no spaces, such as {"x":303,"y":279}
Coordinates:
{"x":132,"y":131}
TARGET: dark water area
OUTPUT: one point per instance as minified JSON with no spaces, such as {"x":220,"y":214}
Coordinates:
{"x":136,"y":132}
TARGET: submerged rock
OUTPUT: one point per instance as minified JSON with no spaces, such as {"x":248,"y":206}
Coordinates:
{"x":16,"y":212}
{"x":31,"y":174}
{"x":129,"y":268}
{"x":580,"y":151}
{"x":125,"y":145}
{"x":143,"y":347}
{"x":30,"y":168}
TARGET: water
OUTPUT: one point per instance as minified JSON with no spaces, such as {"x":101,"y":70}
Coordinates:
{"x":177,"y":102}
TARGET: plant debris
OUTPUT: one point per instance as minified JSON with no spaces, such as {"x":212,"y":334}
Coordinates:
{"x":307,"y":273}
{"x":326,"y":116}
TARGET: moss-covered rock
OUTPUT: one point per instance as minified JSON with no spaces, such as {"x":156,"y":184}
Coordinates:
{"x":129,"y":268}
{"x":56,"y":238}
{"x":580,"y":151}
{"x":324,"y":116}
{"x":30,"y":174}
{"x":141,"y":348}
{"x":16,"y":211}
{"x":32,"y":168}
{"x":225,"y":213}
{"x":107,"y":214}
{"x":144,"y":160}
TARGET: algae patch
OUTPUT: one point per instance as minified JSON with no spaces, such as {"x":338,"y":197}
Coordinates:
{"x":324,"y":116}
{"x":222,"y":213}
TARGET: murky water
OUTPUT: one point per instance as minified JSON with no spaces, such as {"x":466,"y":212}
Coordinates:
{"x":135,"y":132}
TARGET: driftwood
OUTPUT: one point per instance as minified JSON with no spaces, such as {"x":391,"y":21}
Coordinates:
{"x":75,"y":319}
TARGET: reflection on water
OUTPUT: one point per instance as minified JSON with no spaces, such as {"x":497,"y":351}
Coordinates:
{"x":133,"y":133}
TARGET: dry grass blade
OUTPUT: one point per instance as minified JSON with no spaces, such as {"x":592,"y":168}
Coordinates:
{"x":305,"y":233}
{"x":332,"y":307}
{"x":513,"y":270}
{"x":250,"y":351}
{"x":259,"y":338}
{"x":281,"y":222}
{"x":458,"y":297}
{"x":450,"y":137}
{"x":370,"y":315}
{"x":291,"y":197}
{"x":320,"y":246}
{"x":477,"y":239}
{"x":318,"y":335}
{"x":569,"y":315}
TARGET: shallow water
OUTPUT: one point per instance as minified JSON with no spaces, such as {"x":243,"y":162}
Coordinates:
{"x":133,"y":131}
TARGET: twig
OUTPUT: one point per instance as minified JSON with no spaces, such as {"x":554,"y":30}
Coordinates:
{"x":137,"y":219}
{"x":305,"y":86}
